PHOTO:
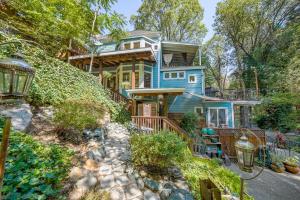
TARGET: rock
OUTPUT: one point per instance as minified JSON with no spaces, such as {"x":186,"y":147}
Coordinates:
{"x":151,"y":184}
{"x":21,"y":115}
{"x":181,"y":184}
{"x":140,"y":183}
{"x":175,"y":172}
{"x":117,"y":193}
{"x":168,"y":185}
{"x":96,"y":154}
{"x":77,"y":173}
{"x":86,"y":183}
{"x":91,"y":164}
{"x":132,"y":191}
{"x":165,"y":193}
{"x":143,"y":174}
{"x":180,"y":194}
{"x":105,"y":170}
{"x":107,"y":182}
{"x":122,"y":180}
{"x":149,"y":195}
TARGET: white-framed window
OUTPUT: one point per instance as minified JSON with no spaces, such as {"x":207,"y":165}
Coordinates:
{"x":217,"y":117}
{"x":174,"y":75}
{"x":199,"y":111}
{"x":192,"y":78}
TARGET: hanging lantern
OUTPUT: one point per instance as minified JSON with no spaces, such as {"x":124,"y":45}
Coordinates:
{"x":15,"y":78}
{"x":245,"y":154}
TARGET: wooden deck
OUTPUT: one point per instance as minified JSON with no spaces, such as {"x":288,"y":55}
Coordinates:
{"x":227,"y":136}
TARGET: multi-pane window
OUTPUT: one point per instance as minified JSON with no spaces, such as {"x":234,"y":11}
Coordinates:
{"x":217,"y":117}
{"x":174,"y":75}
{"x":127,"y":46}
{"x":199,"y":111}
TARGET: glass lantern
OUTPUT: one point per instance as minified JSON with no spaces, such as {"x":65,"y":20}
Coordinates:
{"x":15,"y":78}
{"x":245,"y":154}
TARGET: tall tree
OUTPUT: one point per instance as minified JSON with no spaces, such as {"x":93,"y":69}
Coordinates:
{"x":177,"y":20}
{"x":57,"y":24}
{"x":252,"y":28}
{"x":217,"y":61}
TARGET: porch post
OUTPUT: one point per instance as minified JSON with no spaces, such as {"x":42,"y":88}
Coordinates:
{"x":100,"y":72}
{"x":165,"y":105}
{"x":133,"y":75}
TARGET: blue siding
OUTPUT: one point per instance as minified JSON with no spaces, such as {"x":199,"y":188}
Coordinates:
{"x":155,"y":75}
{"x":183,"y":83}
{"x":186,"y":103}
{"x":224,"y":104}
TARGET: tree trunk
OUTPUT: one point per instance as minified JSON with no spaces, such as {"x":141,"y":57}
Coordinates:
{"x":93,"y":28}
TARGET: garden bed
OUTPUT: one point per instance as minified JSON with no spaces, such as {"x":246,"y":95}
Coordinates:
{"x":34,"y":170}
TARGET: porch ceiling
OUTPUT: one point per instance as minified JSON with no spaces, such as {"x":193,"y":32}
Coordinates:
{"x":116,"y":57}
{"x":156,"y":91}
{"x":183,"y":53}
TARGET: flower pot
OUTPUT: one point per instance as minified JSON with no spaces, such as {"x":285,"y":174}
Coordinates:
{"x":292,"y":169}
{"x":277,"y":168}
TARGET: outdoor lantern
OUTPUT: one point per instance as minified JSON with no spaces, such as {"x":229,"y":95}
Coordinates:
{"x":15,"y":78}
{"x":245,"y":153}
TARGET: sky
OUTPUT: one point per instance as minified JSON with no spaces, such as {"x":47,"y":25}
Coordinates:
{"x":130,"y":7}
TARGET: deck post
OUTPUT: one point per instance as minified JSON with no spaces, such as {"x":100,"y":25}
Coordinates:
{"x":165,"y":105}
{"x":100,"y":72}
{"x":133,"y":75}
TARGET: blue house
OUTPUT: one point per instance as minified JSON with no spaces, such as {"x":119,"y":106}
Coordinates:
{"x":162,"y":78}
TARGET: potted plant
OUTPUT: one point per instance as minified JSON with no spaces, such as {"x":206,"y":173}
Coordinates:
{"x":277,"y":163}
{"x":291,"y":164}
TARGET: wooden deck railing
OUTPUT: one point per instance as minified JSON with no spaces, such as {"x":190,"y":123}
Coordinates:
{"x":117,"y":97}
{"x":157,"y":123}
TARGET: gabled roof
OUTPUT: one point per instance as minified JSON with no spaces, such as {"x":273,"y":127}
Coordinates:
{"x":130,"y":34}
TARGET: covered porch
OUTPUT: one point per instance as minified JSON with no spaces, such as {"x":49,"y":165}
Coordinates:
{"x":119,"y":70}
{"x":152,"y":101}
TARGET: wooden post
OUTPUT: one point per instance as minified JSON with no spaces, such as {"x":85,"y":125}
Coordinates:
{"x":133,"y":75}
{"x":165,"y":105}
{"x":100,"y":72}
{"x":133,"y":107}
{"x":256,"y":83}
{"x":3,"y":152}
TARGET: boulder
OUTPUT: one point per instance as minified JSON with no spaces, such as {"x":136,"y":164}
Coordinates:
{"x":91,"y":164}
{"x":151,"y":184}
{"x":140,"y":183}
{"x":77,"y":173}
{"x":21,"y":115}
{"x":149,"y":195}
{"x":180,"y":194}
{"x":165,"y":193}
{"x":86,"y":182}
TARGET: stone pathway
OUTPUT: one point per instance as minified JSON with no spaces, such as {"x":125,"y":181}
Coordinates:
{"x":108,"y":168}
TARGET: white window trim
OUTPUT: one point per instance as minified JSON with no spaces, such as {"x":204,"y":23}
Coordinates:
{"x":197,"y":107}
{"x":177,"y":72}
{"x":194,"y":76}
{"x":226,"y":115}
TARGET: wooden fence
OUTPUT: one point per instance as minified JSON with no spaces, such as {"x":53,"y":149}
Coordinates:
{"x":228,"y":137}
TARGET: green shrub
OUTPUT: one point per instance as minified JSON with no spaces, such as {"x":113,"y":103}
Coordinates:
{"x":278,"y":112}
{"x":33,"y":170}
{"x":123,"y":116}
{"x":189,"y":122}
{"x":74,"y":115}
{"x":158,"y":150}
{"x":55,"y":80}
{"x":196,"y":169}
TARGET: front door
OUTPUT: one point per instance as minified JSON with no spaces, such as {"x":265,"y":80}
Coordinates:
{"x":147,"y":109}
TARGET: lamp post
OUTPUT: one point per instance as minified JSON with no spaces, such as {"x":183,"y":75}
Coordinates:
{"x":245,"y":151}
{"x":15,"y":79}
